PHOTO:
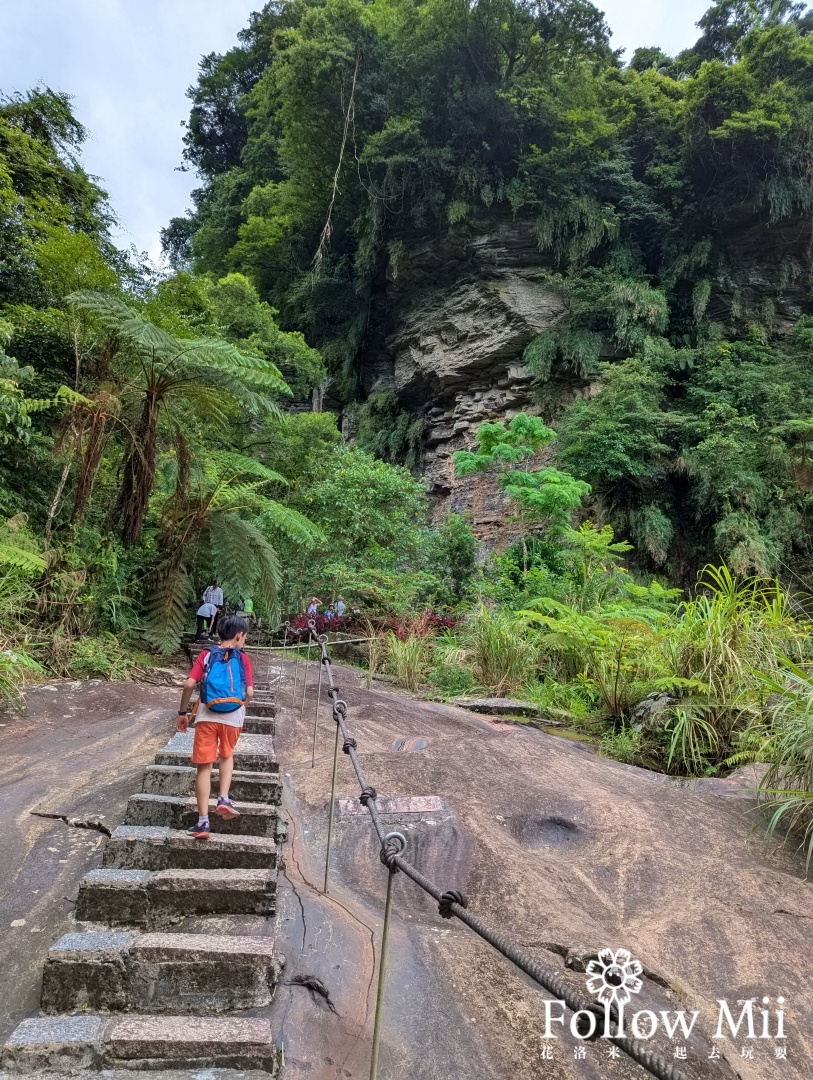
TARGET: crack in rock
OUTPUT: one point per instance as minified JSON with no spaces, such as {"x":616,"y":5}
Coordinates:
{"x":76,"y":823}
{"x":314,"y":986}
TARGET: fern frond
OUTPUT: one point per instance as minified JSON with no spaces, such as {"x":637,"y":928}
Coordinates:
{"x":243,"y":559}
{"x":293,"y":525}
{"x":27,"y":561}
{"x":233,"y":556}
{"x":227,"y":461}
{"x":167,"y":607}
{"x":125,"y":322}
{"x":237,"y":497}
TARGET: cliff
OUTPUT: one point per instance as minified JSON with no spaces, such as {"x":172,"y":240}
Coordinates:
{"x":450,"y":322}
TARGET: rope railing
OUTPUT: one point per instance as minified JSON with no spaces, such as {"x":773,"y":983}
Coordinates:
{"x":453,"y":904}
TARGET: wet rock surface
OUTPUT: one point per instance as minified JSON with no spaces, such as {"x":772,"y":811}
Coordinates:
{"x":500,"y":706}
{"x":654,"y":712}
{"x":108,"y":965}
{"x":80,"y":750}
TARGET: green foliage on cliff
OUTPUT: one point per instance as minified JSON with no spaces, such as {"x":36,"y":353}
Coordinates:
{"x":339,"y":133}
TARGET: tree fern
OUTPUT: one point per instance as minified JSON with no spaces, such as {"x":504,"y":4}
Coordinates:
{"x":215,"y":380}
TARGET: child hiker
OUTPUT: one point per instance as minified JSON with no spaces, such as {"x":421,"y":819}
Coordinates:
{"x":226,"y":684}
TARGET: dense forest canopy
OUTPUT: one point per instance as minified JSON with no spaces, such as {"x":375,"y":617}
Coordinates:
{"x":340,"y":133}
{"x":146,"y":415}
{"x":147,"y":443}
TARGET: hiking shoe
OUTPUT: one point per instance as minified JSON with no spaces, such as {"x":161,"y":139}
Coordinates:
{"x":225,"y":808}
{"x":199,"y":831}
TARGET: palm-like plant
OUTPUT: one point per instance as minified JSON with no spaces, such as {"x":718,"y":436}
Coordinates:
{"x":204,"y":378}
{"x":219,"y":510}
{"x":612,"y":647}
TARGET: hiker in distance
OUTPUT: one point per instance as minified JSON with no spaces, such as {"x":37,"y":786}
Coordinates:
{"x":206,"y":619}
{"x":213,"y":594}
{"x":226,"y":684}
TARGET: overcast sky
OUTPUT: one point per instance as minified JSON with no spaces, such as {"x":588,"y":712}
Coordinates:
{"x":128,"y":63}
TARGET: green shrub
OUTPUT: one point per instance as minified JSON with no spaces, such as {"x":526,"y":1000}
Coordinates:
{"x":497,"y":647}
{"x":622,"y":745}
{"x":102,"y":657}
{"x":783,"y":738}
{"x":452,"y":679}
{"x":408,"y":659}
{"x":16,"y":668}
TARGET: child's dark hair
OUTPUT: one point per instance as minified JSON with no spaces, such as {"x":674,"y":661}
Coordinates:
{"x":230,"y":627}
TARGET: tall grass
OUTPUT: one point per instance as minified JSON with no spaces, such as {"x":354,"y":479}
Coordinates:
{"x":731,"y":630}
{"x":376,"y":651}
{"x":784,"y":738}
{"x":498,"y":648}
{"x":409,"y":659}
{"x":726,"y":645}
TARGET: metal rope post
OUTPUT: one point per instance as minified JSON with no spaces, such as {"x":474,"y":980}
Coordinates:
{"x":452,"y":903}
{"x":316,"y":711}
{"x":332,"y":805}
{"x":394,"y":844}
{"x":305,"y":679}
{"x":271,"y":651}
{"x":296,"y":668}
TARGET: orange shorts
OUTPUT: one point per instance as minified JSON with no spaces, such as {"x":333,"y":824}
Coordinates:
{"x":213,"y":741}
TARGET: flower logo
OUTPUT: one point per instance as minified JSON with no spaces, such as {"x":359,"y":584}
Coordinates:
{"x":614,"y":976}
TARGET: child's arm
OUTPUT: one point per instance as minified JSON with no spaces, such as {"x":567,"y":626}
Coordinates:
{"x":249,"y":670}
{"x":183,"y":710}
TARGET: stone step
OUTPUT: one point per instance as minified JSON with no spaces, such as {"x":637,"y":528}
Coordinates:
{"x":134,"y":847}
{"x":120,"y":970}
{"x":255,"y":819}
{"x":179,"y":780}
{"x":262,"y":707}
{"x":61,"y":1044}
{"x":259,"y":725}
{"x":155,"y":898}
{"x":254,"y":753}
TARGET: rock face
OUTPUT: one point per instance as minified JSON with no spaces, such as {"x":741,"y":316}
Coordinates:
{"x":653,"y":713}
{"x":449,"y":324}
{"x":452,"y":322}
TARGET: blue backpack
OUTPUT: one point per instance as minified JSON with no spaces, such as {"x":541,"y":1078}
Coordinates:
{"x":223,"y":687}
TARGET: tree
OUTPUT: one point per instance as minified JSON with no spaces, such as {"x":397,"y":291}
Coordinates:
{"x":206,"y":378}
{"x":217,"y":515}
{"x":547,"y":496}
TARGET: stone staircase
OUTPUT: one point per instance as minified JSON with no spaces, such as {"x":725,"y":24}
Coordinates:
{"x":155,"y":973}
